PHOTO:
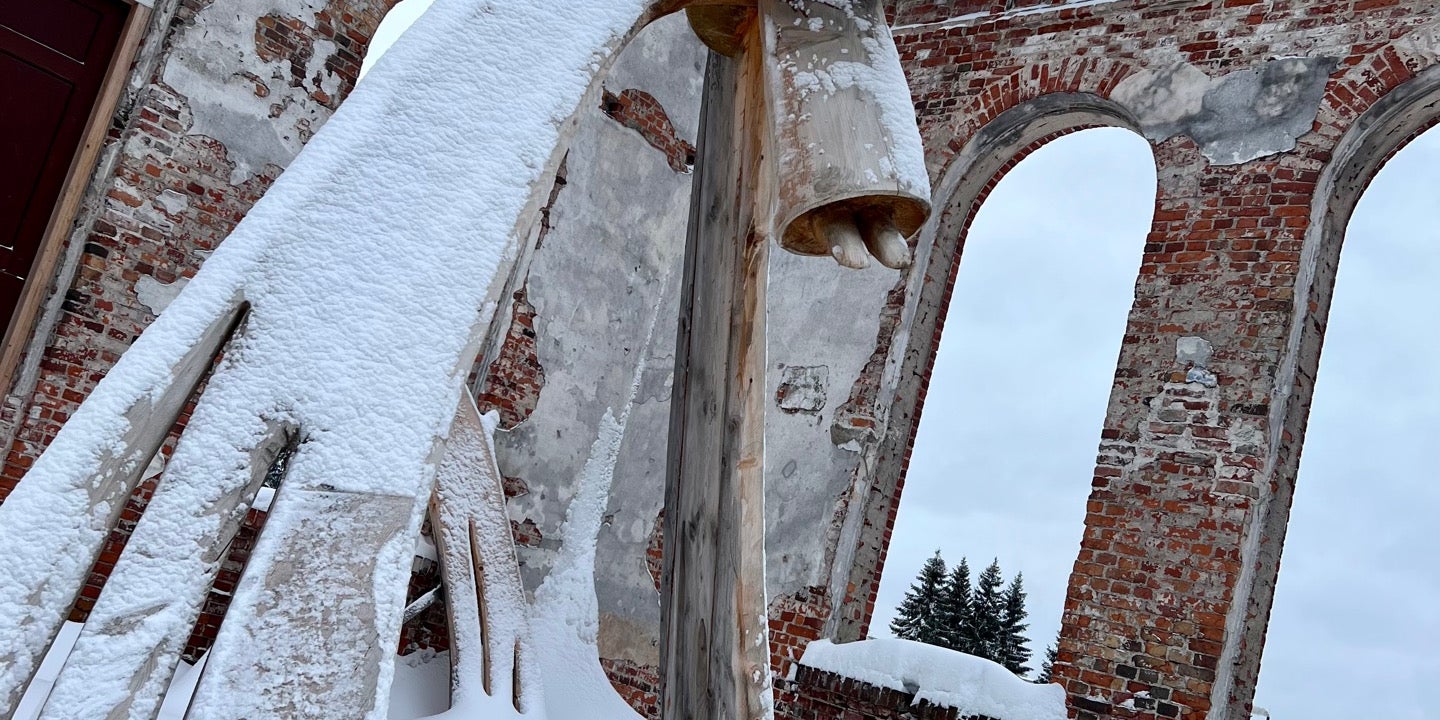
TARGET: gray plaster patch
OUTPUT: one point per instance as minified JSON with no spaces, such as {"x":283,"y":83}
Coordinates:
{"x":1234,"y":118}
{"x":802,"y":388}
{"x":1423,"y":44}
{"x":256,"y":129}
{"x":1193,"y":351}
{"x":172,"y":202}
{"x":157,"y":295}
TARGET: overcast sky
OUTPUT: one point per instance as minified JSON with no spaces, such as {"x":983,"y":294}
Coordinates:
{"x":1007,"y":444}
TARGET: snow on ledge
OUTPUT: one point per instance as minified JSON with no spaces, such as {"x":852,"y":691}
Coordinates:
{"x":972,"y":685}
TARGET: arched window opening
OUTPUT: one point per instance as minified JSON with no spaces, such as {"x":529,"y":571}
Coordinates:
{"x":1006,"y":445}
{"x":1354,"y":609}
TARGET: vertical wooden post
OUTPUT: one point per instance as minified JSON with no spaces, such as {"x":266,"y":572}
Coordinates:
{"x":715,"y":649}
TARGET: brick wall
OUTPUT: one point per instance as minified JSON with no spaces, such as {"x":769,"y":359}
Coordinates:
{"x":819,"y":695}
{"x":1171,"y":589}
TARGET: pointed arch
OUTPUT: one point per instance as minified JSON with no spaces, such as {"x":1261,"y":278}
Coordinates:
{"x":1382,"y":130}
{"x":964,"y":185}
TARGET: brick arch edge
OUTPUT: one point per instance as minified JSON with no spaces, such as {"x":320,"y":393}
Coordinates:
{"x":964,"y":185}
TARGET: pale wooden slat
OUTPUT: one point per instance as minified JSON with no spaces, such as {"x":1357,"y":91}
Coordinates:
{"x":484,"y":596}
{"x":313,"y":644}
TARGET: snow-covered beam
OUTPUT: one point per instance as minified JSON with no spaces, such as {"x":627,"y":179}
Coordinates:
{"x":492,"y":662}
{"x":54,"y":526}
{"x":372,"y":270}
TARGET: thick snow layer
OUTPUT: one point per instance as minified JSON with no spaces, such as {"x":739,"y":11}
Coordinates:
{"x":371,"y":267}
{"x":972,"y":685}
{"x":421,"y":687}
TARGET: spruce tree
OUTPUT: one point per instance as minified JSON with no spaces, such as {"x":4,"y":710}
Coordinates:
{"x":1014,"y":649}
{"x":1047,"y":668}
{"x":917,"y":617}
{"x":955,"y":615}
{"x":987,"y":607}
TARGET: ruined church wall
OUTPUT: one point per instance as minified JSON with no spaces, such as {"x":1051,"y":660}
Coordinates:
{"x":221,"y":97}
{"x":1250,"y":108}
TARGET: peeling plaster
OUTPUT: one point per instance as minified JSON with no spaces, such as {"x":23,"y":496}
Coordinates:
{"x":1234,"y":118}
{"x":1195,"y":352}
{"x":257,"y":128}
{"x":802,"y":389}
{"x":157,"y":295}
{"x":1422,"y":44}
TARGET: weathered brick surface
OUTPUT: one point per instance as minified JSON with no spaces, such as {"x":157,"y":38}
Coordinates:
{"x":1172,"y":585}
{"x":814,"y":694}
{"x":514,"y":381}
{"x":638,"y":684}
{"x":641,"y":112}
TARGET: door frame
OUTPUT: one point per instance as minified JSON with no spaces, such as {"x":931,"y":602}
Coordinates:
{"x":78,"y":180}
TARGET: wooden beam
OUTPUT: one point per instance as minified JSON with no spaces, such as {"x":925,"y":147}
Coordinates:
{"x":715,"y":650}
{"x":41,"y":282}
{"x":484,"y":596}
{"x":148,"y":423}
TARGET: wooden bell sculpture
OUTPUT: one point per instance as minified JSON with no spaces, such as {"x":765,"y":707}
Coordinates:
{"x":842,"y":149}
{"x":847,"y":161}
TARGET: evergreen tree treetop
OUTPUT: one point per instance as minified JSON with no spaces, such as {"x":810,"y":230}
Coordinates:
{"x":955,"y":613}
{"x":1014,"y":645}
{"x":987,"y":606}
{"x":985,"y":619}
{"x":918,"y":615}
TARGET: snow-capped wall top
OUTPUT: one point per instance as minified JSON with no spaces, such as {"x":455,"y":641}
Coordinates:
{"x":974,"y":686}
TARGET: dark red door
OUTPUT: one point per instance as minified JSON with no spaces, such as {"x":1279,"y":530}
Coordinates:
{"x":53,"y":58}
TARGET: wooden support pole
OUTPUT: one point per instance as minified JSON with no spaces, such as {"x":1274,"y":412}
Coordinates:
{"x":715,"y":650}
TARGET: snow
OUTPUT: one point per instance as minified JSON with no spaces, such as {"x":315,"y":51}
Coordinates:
{"x":941,"y":676}
{"x":422,"y":686}
{"x":494,"y":668}
{"x":372,"y":268}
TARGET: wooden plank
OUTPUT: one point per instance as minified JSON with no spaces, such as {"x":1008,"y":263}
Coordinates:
{"x":108,"y":639}
{"x":148,"y":423}
{"x":715,"y":652}
{"x":314,"y":644}
{"x":484,"y":595}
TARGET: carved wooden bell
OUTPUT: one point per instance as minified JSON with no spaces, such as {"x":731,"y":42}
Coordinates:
{"x":842,"y":150}
{"x":849,"y":170}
